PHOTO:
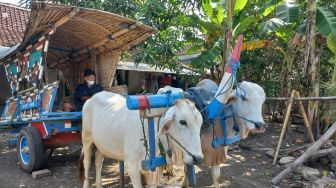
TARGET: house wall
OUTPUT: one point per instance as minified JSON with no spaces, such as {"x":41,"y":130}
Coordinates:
{"x":134,"y":81}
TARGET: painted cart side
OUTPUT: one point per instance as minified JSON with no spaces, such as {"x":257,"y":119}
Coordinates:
{"x":66,"y":40}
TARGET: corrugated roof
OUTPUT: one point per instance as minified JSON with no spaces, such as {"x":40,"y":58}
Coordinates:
{"x":13,"y":21}
{"x":4,"y":51}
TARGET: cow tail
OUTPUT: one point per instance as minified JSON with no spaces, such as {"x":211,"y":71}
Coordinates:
{"x":81,"y":167}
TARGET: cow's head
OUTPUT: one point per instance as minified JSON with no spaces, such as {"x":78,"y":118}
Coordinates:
{"x":179,"y":131}
{"x":247,"y":105}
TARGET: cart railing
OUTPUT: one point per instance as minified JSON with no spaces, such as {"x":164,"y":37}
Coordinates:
{"x":29,"y":106}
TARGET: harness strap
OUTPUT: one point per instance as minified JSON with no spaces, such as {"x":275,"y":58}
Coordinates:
{"x":145,"y":144}
{"x":248,"y":120}
{"x":178,"y":143}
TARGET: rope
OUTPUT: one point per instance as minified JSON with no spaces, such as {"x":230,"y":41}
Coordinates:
{"x":178,"y":143}
{"x":145,"y":144}
{"x":143,"y":131}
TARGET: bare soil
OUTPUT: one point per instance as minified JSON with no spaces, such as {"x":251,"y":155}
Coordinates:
{"x":247,"y":166}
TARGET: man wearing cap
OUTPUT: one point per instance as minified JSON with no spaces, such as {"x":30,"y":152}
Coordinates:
{"x":87,"y":89}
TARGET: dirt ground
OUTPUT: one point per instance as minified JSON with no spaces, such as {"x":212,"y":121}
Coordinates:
{"x":248,"y":166}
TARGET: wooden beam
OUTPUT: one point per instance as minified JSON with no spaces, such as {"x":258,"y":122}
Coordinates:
{"x":62,"y":21}
{"x":312,"y":150}
{"x":94,"y":63}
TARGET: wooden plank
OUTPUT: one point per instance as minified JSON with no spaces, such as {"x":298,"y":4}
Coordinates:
{"x":312,"y":150}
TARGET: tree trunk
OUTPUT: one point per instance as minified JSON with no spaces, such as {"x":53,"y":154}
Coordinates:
{"x":311,"y":66}
{"x":286,"y":75}
{"x":289,"y":64}
{"x":283,"y":91}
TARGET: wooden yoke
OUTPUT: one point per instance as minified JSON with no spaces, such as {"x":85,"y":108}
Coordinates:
{"x":144,"y":103}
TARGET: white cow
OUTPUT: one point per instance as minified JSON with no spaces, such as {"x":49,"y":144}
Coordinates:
{"x":247,"y":105}
{"x":117,"y":133}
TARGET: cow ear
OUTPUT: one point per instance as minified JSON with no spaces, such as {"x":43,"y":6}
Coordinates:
{"x":166,"y":124}
{"x":231,"y":99}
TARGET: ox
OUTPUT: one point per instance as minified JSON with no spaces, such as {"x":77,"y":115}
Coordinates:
{"x":247,"y":105}
{"x":117,"y":133}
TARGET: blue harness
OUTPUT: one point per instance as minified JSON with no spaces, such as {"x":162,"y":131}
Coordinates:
{"x":215,"y":110}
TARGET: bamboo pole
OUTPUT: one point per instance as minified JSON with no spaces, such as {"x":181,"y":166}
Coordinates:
{"x":305,"y":119}
{"x":312,"y":150}
{"x":289,"y":108}
{"x":302,"y":98}
{"x":63,"y":20}
{"x":94,"y":63}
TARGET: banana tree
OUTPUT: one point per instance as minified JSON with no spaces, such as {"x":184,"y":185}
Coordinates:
{"x":323,"y":21}
{"x":284,"y":25}
{"x":220,"y":23}
{"x":214,"y":27}
{"x":330,"y":87}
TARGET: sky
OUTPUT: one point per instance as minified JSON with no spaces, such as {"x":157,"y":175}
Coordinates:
{"x":10,"y":1}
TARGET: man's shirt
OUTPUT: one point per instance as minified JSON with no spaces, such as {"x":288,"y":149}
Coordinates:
{"x":85,"y":90}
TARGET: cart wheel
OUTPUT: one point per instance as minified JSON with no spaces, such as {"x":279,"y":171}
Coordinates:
{"x":30,"y":149}
{"x":48,"y":153}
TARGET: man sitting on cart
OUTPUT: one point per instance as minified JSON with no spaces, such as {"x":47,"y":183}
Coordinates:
{"x":87,"y":89}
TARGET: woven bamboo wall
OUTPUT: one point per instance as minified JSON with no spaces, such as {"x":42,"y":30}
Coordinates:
{"x":106,"y":63}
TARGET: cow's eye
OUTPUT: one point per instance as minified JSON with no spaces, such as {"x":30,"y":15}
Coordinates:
{"x":243,"y":98}
{"x":183,"y":122}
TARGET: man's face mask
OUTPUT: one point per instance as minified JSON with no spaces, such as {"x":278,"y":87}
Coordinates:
{"x":89,"y":82}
